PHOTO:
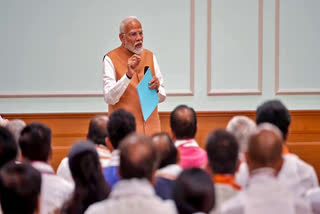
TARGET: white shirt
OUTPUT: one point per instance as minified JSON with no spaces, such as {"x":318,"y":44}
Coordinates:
{"x":265,"y":195}
{"x":172,"y":171}
{"x":313,"y":197}
{"x":133,"y":196}
{"x":64,"y":170}
{"x":113,"y":89}
{"x":224,"y":192}
{"x":54,"y":189}
{"x":297,"y":175}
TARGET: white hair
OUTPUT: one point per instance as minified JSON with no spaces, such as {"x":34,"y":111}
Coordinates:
{"x":242,"y":128}
{"x":125,"y":21}
{"x":15,"y":127}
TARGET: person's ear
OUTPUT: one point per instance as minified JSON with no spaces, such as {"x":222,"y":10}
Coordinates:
{"x":238,"y":165}
{"x":49,"y":161}
{"x":37,"y":211}
{"x":121,"y":37}
{"x":153,"y":178}
{"x":173,"y":137}
{"x":208,"y":169}
{"x":109,"y":144}
{"x":118,"y":172}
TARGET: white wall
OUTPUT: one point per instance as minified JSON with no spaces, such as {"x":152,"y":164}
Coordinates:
{"x":214,"y":54}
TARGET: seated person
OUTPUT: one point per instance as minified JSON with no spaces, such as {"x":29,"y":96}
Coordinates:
{"x":168,"y":169}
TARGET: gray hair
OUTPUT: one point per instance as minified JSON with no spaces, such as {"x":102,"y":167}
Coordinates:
{"x":15,"y":127}
{"x":125,"y":21}
{"x":242,"y":128}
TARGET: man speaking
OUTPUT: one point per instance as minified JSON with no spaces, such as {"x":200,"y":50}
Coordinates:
{"x":123,"y":69}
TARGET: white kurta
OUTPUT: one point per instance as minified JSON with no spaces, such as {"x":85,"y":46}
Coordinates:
{"x":297,"y":175}
{"x":313,"y":197}
{"x":265,"y":195}
{"x":54,"y":189}
{"x":134,"y":196}
{"x":64,"y":170}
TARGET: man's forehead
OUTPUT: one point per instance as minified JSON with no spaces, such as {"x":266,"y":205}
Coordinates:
{"x":133,"y":25}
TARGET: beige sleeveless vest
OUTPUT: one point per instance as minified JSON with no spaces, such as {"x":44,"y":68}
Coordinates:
{"x":130,"y":99}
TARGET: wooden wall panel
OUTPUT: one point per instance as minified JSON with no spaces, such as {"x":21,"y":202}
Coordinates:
{"x":67,"y":128}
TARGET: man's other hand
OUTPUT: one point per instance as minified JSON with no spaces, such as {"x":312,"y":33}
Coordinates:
{"x":154,"y":83}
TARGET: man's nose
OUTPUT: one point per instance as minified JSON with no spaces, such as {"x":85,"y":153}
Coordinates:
{"x":139,"y":37}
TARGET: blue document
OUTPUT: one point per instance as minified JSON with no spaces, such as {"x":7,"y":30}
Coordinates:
{"x":148,"y":97}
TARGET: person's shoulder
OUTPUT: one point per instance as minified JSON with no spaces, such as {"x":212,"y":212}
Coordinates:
{"x":98,"y":207}
{"x":302,"y":206}
{"x":299,"y":163}
{"x":147,"y":51}
{"x":233,"y":205}
{"x":111,"y":53}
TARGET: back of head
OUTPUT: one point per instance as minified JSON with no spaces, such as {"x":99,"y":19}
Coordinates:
{"x":242,"y":128}
{"x":121,"y":123}
{"x":90,"y":185}
{"x":8,"y":147}
{"x":167,"y":152}
{"x":35,"y":142}
{"x":222,"y":150}
{"x":20,"y":186}
{"x":15,"y":127}
{"x":97,"y":131}
{"x":183,"y":122}
{"x":265,"y":148}
{"x":193,"y":191}
{"x":274,"y":112}
{"x":138,"y":157}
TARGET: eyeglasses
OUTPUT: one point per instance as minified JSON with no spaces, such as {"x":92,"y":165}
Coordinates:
{"x":134,"y":34}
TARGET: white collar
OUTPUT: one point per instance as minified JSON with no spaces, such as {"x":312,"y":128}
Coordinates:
{"x":43,"y":167}
{"x":128,"y":188}
{"x":172,"y":169}
{"x":186,"y":143}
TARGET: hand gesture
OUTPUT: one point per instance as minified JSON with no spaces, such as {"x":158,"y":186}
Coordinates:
{"x":133,"y":63}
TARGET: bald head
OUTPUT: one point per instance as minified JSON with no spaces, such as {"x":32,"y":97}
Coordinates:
{"x":97,"y":132}
{"x":137,"y":157}
{"x":265,"y":148}
{"x":167,"y":152}
{"x":183,"y":122}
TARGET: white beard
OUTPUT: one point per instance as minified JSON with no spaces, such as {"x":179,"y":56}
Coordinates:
{"x":133,"y":49}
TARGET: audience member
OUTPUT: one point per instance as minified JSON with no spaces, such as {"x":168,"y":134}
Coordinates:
{"x":313,"y":197}
{"x":168,"y":169}
{"x":97,"y":134}
{"x":15,"y":127}
{"x":222,"y":149}
{"x":3,"y":122}
{"x":121,"y":123}
{"x":134,"y":193}
{"x":265,"y":194}
{"x":193,"y":192}
{"x":8,"y":147}
{"x":183,"y":123}
{"x":90,"y":185}
{"x":242,"y":128}
{"x":35,"y":145}
{"x":20,"y":186}
{"x":295,"y":174}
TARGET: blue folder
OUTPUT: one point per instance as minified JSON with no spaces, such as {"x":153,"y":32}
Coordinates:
{"x":148,"y":97}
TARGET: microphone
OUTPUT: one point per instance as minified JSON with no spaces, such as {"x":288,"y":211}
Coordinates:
{"x":145,"y":69}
